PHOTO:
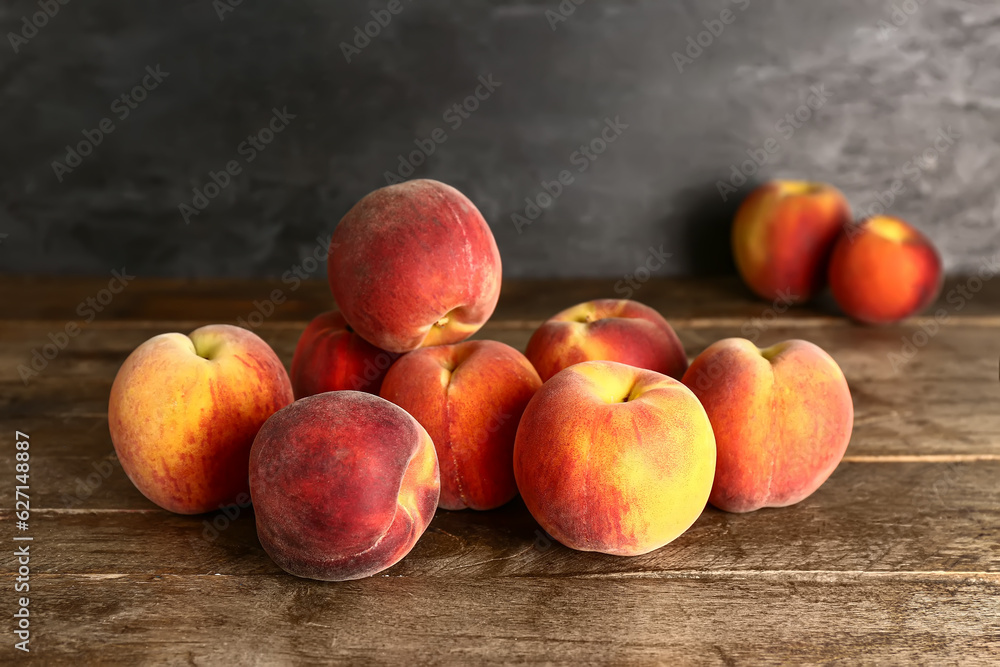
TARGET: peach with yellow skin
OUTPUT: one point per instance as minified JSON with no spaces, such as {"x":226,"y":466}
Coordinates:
{"x":607,"y":330}
{"x":782,"y":418}
{"x":414,"y":264}
{"x":184,"y":411}
{"x":330,"y":356}
{"x":783,"y":235}
{"x":469,"y":396}
{"x":883,"y":270}
{"x":343,"y":485}
{"x":613,"y":458}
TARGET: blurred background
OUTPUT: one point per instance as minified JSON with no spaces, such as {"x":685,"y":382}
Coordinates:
{"x":227,"y":137}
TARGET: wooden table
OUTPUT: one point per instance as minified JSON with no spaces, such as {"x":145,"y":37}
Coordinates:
{"x":895,"y":559}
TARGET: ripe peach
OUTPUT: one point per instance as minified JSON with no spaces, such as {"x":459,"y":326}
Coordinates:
{"x":782,"y":237}
{"x":331,"y":357}
{"x":469,"y":396}
{"x":607,"y":330}
{"x":614,"y":458}
{"x":184,"y":411}
{"x":414,"y":264}
{"x":782,"y":418}
{"x":343,"y":484}
{"x":884,"y":270}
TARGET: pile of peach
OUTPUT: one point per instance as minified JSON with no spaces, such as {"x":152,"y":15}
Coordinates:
{"x":612,"y":440}
{"x":791,"y":237}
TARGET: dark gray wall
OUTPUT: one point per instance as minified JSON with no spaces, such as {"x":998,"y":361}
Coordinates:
{"x":888,"y":92}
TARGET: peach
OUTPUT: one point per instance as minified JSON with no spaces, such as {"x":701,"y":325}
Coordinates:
{"x":607,"y":330}
{"x":883,"y":270}
{"x":469,"y":396}
{"x":782,"y":418}
{"x":782,"y":237}
{"x":613,"y":458}
{"x":184,"y":411}
{"x":330,"y":356}
{"x":343,"y":485}
{"x":414,"y":264}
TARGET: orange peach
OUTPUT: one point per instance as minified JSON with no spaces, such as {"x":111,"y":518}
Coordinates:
{"x":414,"y":265}
{"x":331,"y":357}
{"x":343,"y":485}
{"x":184,"y":411}
{"x":782,"y":237}
{"x":607,"y":330}
{"x":782,"y":418}
{"x":883,"y":270}
{"x":469,"y":396}
{"x":614,"y":458}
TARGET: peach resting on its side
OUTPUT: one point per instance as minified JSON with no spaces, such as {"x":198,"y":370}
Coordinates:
{"x":343,"y":484}
{"x":414,"y":264}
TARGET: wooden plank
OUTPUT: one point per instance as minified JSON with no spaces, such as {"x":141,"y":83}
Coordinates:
{"x":147,"y":298}
{"x":867,"y":517}
{"x":931,"y":406}
{"x":704,"y":619}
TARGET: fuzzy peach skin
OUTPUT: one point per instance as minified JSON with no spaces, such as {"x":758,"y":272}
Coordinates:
{"x":414,"y":264}
{"x":469,"y":396}
{"x":607,"y":330}
{"x":330,"y":356}
{"x":782,"y":237}
{"x":884,"y":270}
{"x":184,"y":411}
{"x":614,"y":458}
{"x":343,"y":484}
{"x":782,"y":418}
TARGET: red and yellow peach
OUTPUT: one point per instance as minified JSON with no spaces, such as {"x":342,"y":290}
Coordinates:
{"x":613,"y":458}
{"x":783,"y":235}
{"x":414,"y":264}
{"x":469,"y":396}
{"x":184,"y":411}
{"x":607,"y":330}
{"x":782,"y":418}
{"x":883,"y":270}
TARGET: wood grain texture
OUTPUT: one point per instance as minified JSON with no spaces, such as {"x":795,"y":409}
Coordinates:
{"x":893,"y":560}
{"x":706,"y":619}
